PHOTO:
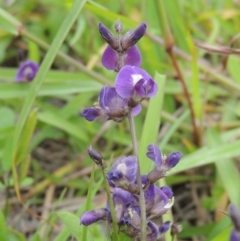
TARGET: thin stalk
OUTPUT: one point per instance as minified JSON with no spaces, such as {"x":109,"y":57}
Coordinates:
{"x":111,"y":205}
{"x":197,"y":137}
{"x":139,"y":180}
{"x":169,"y":44}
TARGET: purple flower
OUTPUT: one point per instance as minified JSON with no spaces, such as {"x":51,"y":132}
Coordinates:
{"x":131,"y":221}
{"x":123,"y":172}
{"x":122,"y":199}
{"x":152,"y":231}
{"x":164,"y":227}
{"x":121,"y":50}
{"x":168,"y":191}
{"x":234,"y":214}
{"x":93,"y":216}
{"x":161,"y":203}
{"x":133,"y":82}
{"x":112,"y":60}
{"x":155,"y":155}
{"x":27,"y":71}
{"x":235,"y":236}
{"x":111,"y":105}
{"x":172,"y":160}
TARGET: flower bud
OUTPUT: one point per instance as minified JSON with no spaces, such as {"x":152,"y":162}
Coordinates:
{"x":118,"y":26}
{"x":132,"y":37}
{"x":108,"y":36}
{"x":175,"y":229}
{"x":95,"y":156}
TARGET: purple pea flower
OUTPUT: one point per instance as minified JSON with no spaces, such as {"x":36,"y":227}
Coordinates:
{"x":123,"y":173}
{"x":161,"y":203}
{"x":152,"y":231}
{"x":162,"y":164}
{"x":122,"y":199}
{"x":111,"y":105}
{"x":113,"y":60}
{"x":27,"y":71}
{"x":131,"y":221}
{"x":121,"y":51}
{"x":133,"y":82}
{"x":93,"y":216}
{"x":234,"y":214}
{"x":164,"y":228}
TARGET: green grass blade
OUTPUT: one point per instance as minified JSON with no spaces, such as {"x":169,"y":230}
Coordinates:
{"x":46,"y":64}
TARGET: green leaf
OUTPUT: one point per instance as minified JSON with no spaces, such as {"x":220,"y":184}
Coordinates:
{"x":72,"y":223}
{"x":7,"y":117}
{"x":233,"y":67}
{"x":3,"y":228}
{"x":69,"y":127}
{"x":8,"y":22}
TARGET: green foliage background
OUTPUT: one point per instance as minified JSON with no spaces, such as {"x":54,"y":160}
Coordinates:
{"x":64,"y":39}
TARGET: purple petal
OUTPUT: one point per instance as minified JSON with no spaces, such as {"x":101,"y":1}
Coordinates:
{"x":27,"y":71}
{"x":146,"y":88}
{"x":136,"y":110}
{"x":164,"y":227}
{"x":122,"y":199}
{"x":235,"y":236}
{"x":168,"y":191}
{"x":127,"y":78}
{"x":234,"y":213}
{"x":133,"y":57}
{"x":93,"y":216}
{"x":152,"y":231}
{"x":173,"y":159}
{"x":91,"y":113}
{"x":107,"y":35}
{"x":123,"y":172}
{"x":155,"y":155}
{"x":139,"y":32}
{"x":133,"y":36}
{"x":109,"y":98}
{"x":109,"y":58}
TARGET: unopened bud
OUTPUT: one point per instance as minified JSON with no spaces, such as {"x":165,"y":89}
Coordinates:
{"x":95,"y":156}
{"x":132,"y":37}
{"x":108,"y":36}
{"x":118,"y":26}
{"x":175,"y":229}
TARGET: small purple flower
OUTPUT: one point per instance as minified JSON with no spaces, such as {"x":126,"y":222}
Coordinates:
{"x":122,"y":199}
{"x":27,"y":71}
{"x":131,"y":221}
{"x":161,"y":203}
{"x":113,"y":60}
{"x":121,"y":51}
{"x":234,"y":214}
{"x":152,"y":231}
{"x":133,"y":82}
{"x":123,"y":172}
{"x":172,"y":160}
{"x":164,"y":227}
{"x":168,"y":191}
{"x":155,"y":155}
{"x":93,"y":216}
{"x":111,"y":105}
{"x":235,"y":236}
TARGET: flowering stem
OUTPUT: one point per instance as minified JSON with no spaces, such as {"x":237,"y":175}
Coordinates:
{"x":111,"y":205}
{"x":139,"y":180}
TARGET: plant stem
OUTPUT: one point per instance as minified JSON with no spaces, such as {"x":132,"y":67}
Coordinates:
{"x":111,"y":205}
{"x":139,"y":179}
